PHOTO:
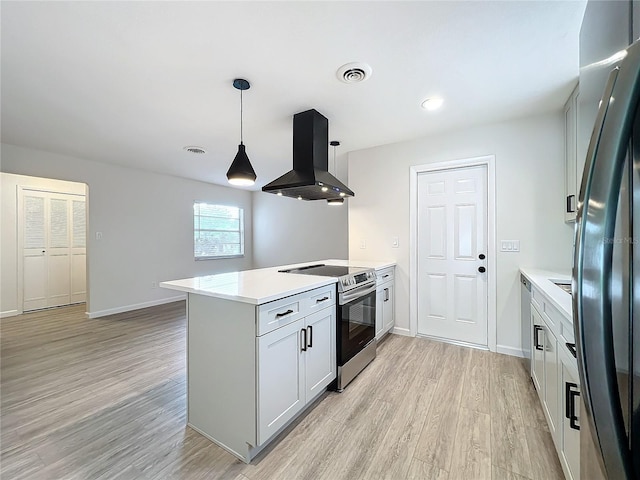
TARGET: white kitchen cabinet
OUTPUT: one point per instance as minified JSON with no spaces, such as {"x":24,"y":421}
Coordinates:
{"x":281,"y":386}
{"x":385,"y":313}
{"x":387,"y":307}
{"x":554,"y":371}
{"x":295,"y":363}
{"x":252,"y":369}
{"x":320,"y":356}
{"x":572,"y":174}
{"x":569,"y":381}
{"x":537,"y":352}
{"x":551,"y":384}
{"x":544,"y":370}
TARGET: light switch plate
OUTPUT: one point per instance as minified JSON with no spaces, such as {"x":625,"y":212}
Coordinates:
{"x":509,"y":245}
{"x":395,"y":243}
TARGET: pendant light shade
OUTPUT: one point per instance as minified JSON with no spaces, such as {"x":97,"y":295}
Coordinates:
{"x":241,"y":172}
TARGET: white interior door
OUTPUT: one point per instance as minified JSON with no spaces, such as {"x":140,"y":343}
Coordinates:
{"x":452,"y":239}
{"x":35,"y":261}
{"x":78,"y":234}
{"x":54,"y":250}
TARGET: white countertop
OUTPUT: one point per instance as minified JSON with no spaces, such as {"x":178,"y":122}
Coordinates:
{"x":265,"y":284}
{"x":543,"y":280}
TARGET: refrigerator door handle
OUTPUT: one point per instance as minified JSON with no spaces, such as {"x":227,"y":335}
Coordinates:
{"x":595,"y":227}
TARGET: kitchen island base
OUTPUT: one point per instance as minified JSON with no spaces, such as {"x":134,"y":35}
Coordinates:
{"x":253,"y":369}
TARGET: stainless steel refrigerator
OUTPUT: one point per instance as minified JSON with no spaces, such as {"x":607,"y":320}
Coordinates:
{"x":606,"y":272}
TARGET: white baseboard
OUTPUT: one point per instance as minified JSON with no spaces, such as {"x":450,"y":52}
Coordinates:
{"x":9,"y":313}
{"x":402,"y":331}
{"x":137,"y":306}
{"x":514,"y":352}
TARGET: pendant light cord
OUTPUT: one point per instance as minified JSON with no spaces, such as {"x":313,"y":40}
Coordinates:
{"x":241,"y":118}
{"x":335,"y":144}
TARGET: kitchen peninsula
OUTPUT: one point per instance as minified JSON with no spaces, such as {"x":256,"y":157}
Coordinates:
{"x":261,"y":348}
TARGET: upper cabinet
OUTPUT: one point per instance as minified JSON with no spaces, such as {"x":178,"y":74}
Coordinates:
{"x":572,"y":169}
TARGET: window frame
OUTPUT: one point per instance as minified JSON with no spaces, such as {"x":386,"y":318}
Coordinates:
{"x":196,"y":230}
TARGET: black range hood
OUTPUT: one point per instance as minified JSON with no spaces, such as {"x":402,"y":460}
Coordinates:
{"x":310,"y":178}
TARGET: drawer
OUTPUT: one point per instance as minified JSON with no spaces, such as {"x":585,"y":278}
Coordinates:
{"x":319,"y":298}
{"x":552,"y":315}
{"x":279,"y":313}
{"x":385,"y":275}
{"x":537,"y":299}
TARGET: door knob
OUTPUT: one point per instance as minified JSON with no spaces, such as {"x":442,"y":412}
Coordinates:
{"x":482,"y":256}
{"x":482,"y":269}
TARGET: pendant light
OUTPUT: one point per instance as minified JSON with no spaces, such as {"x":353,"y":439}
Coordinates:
{"x":241,"y":172}
{"x":335,"y":201}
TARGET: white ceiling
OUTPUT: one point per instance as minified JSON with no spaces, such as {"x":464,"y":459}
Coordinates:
{"x":131,"y":83}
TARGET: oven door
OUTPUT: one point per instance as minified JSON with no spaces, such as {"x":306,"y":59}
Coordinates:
{"x":356,"y":321}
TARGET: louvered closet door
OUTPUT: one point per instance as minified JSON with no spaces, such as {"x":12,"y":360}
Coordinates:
{"x":78,"y":250}
{"x":54,"y":252}
{"x":35,"y":260}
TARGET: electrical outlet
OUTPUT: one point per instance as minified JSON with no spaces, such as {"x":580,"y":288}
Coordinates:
{"x":154,"y":284}
{"x":363,"y":244}
{"x":98,"y":235}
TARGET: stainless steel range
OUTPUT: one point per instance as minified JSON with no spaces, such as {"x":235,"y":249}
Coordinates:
{"x":356,"y":316}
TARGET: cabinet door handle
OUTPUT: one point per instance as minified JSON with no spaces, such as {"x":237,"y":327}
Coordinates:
{"x":571,"y":208}
{"x":385,"y":276}
{"x":536,"y":329}
{"x":278,"y":315}
{"x":386,"y":294}
{"x":482,"y":269}
{"x":310,"y":329}
{"x":570,"y":396}
{"x":322,"y":299}
{"x":303,"y":342}
{"x":572,"y":349}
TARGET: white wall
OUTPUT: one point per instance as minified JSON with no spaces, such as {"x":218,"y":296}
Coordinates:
{"x":529,"y":197}
{"x":147,"y":224}
{"x":9,"y":231}
{"x":286,"y":230}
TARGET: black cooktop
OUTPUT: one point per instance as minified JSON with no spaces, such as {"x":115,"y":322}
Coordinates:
{"x":325,"y":270}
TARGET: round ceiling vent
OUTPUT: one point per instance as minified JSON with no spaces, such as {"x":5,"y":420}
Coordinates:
{"x":197,"y":150}
{"x":354,"y":72}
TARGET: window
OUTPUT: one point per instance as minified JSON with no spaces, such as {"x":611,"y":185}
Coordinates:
{"x":218,"y":231}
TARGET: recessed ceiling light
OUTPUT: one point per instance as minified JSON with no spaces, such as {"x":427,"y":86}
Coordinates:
{"x":432,"y":103}
{"x":196,"y":150}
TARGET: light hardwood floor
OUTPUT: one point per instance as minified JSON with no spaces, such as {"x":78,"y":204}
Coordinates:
{"x":105,"y":399}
